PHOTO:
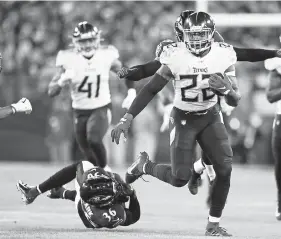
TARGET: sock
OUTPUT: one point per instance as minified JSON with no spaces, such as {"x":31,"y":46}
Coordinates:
{"x":210,"y":172}
{"x":199,"y":166}
{"x":214,"y":219}
{"x":64,"y":176}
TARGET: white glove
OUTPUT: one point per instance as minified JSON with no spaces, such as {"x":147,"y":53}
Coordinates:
{"x":131,"y":95}
{"x":166,"y":117}
{"x":66,"y":78}
{"x":23,"y":105}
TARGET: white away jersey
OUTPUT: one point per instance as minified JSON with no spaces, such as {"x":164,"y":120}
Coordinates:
{"x":90,"y":78}
{"x":271,"y":65}
{"x":192,"y":73}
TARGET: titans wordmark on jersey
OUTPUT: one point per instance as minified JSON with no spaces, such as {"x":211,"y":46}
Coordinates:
{"x":191,"y":73}
{"x":271,"y":65}
{"x":90,"y":82}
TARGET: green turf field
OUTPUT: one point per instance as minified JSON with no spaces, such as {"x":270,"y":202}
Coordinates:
{"x":167,"y":212}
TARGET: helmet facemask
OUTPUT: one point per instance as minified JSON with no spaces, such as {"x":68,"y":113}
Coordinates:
{"x":87,"y":43}
{"x":198,"y":39}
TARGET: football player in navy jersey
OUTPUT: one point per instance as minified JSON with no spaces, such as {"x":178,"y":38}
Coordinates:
{"x":99,"y":197}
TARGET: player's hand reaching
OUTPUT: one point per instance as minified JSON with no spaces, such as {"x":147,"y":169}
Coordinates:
{"x":129,"y":99}
{"x":122,"y":127}
{"x":220,"y":84}
{"x":125,"y":72}
{"x":23,"y":105}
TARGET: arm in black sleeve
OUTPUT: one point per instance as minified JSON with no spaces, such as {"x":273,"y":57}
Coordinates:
{"x":70,"y":195}
{"x":133,"y":212}
{"x":254,"y":55}
{"x":147,"y":93}
{"x":139,"y":72}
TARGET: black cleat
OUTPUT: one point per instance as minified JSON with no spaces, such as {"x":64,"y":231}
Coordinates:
{"x":213,"y":229}
{"x":194,"y":182}
{"x":29,"y":193}
{"x":56,"y":193}
{"x":136,"y":170}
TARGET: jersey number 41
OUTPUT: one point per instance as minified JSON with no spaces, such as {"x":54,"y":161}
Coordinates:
{"x":86,"y":87}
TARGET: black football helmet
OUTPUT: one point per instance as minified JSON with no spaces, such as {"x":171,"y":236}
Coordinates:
{"x":178,"y":24}
{"x":86,"y":38}
{"x":98,"y":188}
{"x":198,"y":31}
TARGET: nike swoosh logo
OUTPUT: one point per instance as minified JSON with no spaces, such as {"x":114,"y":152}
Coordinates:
{"x":222,"y":88}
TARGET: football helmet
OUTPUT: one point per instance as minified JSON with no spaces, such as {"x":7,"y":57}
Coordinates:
{"x":86,"y":38}
{"x":198,"y":32}
{"x":178,"y":24}
{"x":98,"y":187}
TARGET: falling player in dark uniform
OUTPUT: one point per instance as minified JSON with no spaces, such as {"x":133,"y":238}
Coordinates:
{"x":274,"y":95}
{"x":139,"y":72}
{"x":197,"y":72}
{"x":86,"y":68}
{"x":99,"y":197}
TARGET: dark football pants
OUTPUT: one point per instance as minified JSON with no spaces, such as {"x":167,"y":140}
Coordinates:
{"x":211,"y":134}
{"x":90,"y":127}
{"x":276,"y":150}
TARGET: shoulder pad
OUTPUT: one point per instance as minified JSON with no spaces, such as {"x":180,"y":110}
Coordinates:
{"x":63,"y":57}
{"x":227,"y":51}
{"x":111,"y":50}
{"x":161,"y":45}
{"x":273,"y":64}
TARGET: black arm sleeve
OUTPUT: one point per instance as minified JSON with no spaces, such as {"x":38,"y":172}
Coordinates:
{"x":146,"y":94}
{"x":70,"y":195}
{"x":143,"y":71}
{"x":133,"y":212}
{"x":253,"y":55}
{"x":129,"y":84}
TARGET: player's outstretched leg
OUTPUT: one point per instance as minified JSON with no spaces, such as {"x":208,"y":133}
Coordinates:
{"x":162,"y":172}
{"x":64,"y":176}
{"x":276,"y":150}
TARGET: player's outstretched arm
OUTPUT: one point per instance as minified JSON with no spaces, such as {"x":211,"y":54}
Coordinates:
{"x":23,"y":105}
{"x":133,"y":212}
{"x":273,"y":91}
{"x":157,"y":83}
{"x":255,"y":55}
{"x":139,"y":72}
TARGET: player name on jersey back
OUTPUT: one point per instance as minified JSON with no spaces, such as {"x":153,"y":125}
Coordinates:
{"x":90,"y":82}
{"x":191,"y":73}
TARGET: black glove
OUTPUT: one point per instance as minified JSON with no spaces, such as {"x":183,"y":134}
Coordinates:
{"x":122,"y":127}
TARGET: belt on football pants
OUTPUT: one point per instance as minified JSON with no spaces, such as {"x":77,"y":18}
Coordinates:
{"x":215,"y":108}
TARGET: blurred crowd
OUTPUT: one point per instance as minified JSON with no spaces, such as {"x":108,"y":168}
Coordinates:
{"x":31,"y":33}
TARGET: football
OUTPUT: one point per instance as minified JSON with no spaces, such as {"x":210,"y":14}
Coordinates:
{"x":222,"y":76}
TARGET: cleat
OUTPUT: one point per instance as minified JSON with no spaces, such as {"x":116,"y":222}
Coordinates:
{"x":213,"y":229}
{"x":136,"y":170}
{"x":56,"y":193}
{"x":28,"y":195}
{"x":278,"y":212}
{"x":194,"y":182}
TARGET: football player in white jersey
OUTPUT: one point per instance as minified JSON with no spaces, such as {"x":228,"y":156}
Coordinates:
{"x":198,"y":67}
{"x":87,"y":68}
{"x":274,"y":95}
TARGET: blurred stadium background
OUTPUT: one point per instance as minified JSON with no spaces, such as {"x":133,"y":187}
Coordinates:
{"x":31,"y":33}
{"x":34,"y":146}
